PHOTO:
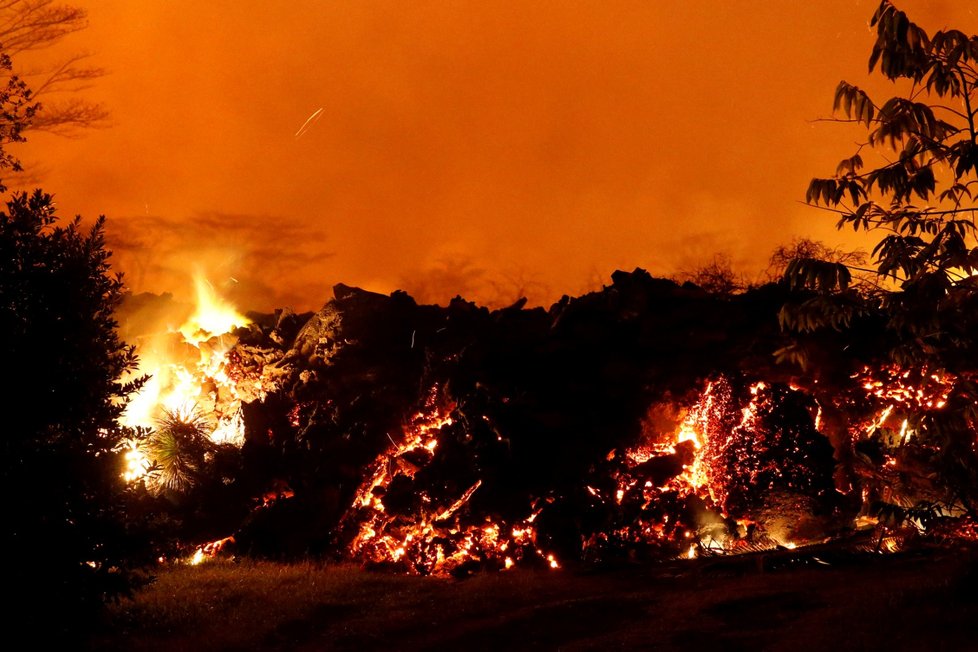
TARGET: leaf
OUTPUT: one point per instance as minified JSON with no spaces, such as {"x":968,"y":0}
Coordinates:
{"x":849,"y":165}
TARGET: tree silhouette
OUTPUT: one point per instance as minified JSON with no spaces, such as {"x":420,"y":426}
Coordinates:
{"x":919,"y":194}
{"x":716,"y":277}
{"x":17,"y":112}
{"x":913,"y":181}
{"x":28,"y":26}
{"x":61,"y":447}
{"x":806,"y":248}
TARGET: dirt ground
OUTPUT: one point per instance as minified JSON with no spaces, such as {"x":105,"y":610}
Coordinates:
{"x":791,"y":600}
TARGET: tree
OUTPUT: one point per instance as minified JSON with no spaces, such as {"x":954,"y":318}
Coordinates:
{"x":921,"y":196}
{"x":17,"y":112}
{"x":716,"y":277}
{"x":29,"y":26}
{"x":61,"y":459}
{"x":806,"y":248}
{"x":913,"y":181}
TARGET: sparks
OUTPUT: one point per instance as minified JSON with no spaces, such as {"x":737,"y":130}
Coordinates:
{"x":308,"y":124}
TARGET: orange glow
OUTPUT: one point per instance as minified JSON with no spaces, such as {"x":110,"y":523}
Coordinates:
{"x":447,"y":140}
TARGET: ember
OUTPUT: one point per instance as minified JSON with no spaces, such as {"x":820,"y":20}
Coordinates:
{"x":733,"y":459}
{"x":426,"y":537}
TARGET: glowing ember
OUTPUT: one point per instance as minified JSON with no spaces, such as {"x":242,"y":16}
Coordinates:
{"x":697,"y":490}
{"x":431,"y":539}
{"x":902,"y":393}
{"x":209,"y":551}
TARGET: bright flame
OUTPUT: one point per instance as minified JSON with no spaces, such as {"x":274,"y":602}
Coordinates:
{"x":137,"y":464}
{"x":213,"y":317}
{"x":189,"y":368}
{"x":209,"y":550}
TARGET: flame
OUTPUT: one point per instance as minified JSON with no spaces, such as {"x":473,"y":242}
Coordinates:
{"x":213,"y":317}
{"x":137,"y":464}
{"x":208,"y":551}
{"x":189,"y":368}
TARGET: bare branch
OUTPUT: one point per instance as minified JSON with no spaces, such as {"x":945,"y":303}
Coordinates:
{"x":31,"y":25}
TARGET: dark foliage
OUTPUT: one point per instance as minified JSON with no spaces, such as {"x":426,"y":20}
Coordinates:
{"x":17,"y":110}
{"x":63,"y":531}
{"x":912,"y":181}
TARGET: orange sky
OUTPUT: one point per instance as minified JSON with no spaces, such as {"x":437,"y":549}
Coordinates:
{"x":464,"y":147}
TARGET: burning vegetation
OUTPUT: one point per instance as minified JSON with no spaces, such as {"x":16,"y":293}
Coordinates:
{"x":442,"y":440}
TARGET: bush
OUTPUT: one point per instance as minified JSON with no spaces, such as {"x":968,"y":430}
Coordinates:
{"x":64,"y":532}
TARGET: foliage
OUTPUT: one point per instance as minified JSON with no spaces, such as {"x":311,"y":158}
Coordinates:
{"x":178,"y":447}
{"x":912,"y":181}
{"x":60,"y":465}
{"x":920,"y":196}
{"x":17,"y":112}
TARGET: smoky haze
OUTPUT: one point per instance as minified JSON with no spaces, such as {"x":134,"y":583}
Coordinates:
{"x":478,"y":148}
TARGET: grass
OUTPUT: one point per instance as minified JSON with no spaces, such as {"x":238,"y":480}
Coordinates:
{"x":922,"y":601}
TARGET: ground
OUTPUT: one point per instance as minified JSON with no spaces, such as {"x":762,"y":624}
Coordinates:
{"x":921,"y":600}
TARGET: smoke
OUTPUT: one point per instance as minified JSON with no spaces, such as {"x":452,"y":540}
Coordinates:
{"x":482,"y":144}
{"x":256,"y":261}
{"x":459,"y":275}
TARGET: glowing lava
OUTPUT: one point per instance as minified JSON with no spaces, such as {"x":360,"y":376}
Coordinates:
{"x":431,"y":539}
{"x":700,"y":488}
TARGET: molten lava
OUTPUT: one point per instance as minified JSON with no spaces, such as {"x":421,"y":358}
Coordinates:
{"x":434,"y":538}
{"x":736,"y":458}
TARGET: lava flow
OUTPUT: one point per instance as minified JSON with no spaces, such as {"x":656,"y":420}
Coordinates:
{"x":429,"y":536}
{"x":491,"y":469}
{"x":735,"y":472}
